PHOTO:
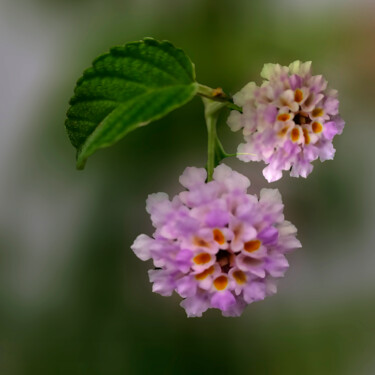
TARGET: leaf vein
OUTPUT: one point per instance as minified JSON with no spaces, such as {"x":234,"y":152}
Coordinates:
{"x":143,"y":59}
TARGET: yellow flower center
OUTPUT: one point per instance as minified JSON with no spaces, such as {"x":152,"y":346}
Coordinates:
{"x":200,"y":242}
{"x":239,"y":276}
{"x":317,"y":112}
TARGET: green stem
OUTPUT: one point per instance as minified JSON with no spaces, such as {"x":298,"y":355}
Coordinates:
{"x":214,"y":101}
{"x":215,"y":151}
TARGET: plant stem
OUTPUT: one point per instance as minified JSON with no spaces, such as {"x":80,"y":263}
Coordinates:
{"x":215,"y":151}
{"x":214,"y":101}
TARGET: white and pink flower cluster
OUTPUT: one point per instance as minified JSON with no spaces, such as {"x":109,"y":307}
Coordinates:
{"x":289,"y":121}
{"x":216,"y":245}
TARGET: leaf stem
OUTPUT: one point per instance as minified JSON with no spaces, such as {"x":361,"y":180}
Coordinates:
{"x":217,"y":95}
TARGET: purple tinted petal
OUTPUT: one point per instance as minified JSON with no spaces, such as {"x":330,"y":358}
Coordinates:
{"x":236,"y":309}
{"x":327,"y":151}
{"x":270,"y":114}
{"x":196,"y":305}
{"x":301,"y":168}
{"x":268,"y":236}
{"x":331,"y":106}
{"x":183,"y":260}
{"x":330,"y":130}
{"x":295,"y":81}
{"x":276,"y":265}
{"x":223,"y":300}
{"x":159,"y":207}
{"x":202,"y":195}
{"x":186,"y":286}
{"x":163,"y":281}
{"x":340,"y":123}
{"x":310,"y":153}
{"x":217,"y":218}
{"x":255,"y":291}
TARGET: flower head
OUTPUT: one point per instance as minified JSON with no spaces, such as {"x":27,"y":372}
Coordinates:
{"x":289,"y":121}
{"x":216,"y":245}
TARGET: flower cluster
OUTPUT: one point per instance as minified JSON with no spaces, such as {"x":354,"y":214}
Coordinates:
{"x":289,"y":121}
{"x":216,"y":245}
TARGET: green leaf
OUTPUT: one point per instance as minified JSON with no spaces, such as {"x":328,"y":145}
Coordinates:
{"x":124,"y":89}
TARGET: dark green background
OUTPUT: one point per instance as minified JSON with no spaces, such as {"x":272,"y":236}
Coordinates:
{"x":74,"y":298}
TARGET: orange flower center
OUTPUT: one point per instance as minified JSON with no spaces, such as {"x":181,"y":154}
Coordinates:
{"x":221,"y":282}
{"x":283,"y":117}
{"x":283,"y":131}
{"x":306,"y":136}
{"x":202,"y":258}
{"x":205,"y":273}
{"x":252,"y":246}
{"x":219,"y":236}
{"x":317,"y":127}
{"x":298,"y":95}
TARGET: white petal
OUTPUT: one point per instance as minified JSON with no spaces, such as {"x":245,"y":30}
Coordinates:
{"x":193,"y":176}
{"x":270,"y":196}
{"x":153,"y":200}
{"x":141,"y":247}
{"x":300,"y":68}
{"x":271,"y":174}
{"x":290,"y":243}
{"x":286,"y":228}
{"x":271,"y":287}
{"x":232,"y":179}
{"x":246,"y":152}
{"x":269,"y":70}
{"x":245,"y":94}
{"x":234,"y":121}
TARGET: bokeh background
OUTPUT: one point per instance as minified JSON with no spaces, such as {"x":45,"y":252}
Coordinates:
{"x":73,"y":297}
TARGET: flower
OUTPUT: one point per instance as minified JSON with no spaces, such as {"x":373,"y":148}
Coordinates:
{"x":289,"y":121}
{"x":216,"y":245}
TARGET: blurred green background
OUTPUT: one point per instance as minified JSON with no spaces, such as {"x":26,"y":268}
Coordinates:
{"x":73,"y":297}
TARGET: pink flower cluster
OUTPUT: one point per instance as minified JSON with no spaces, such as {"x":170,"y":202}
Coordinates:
{"x":289,"y":121}
{"x":216,"y":245}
